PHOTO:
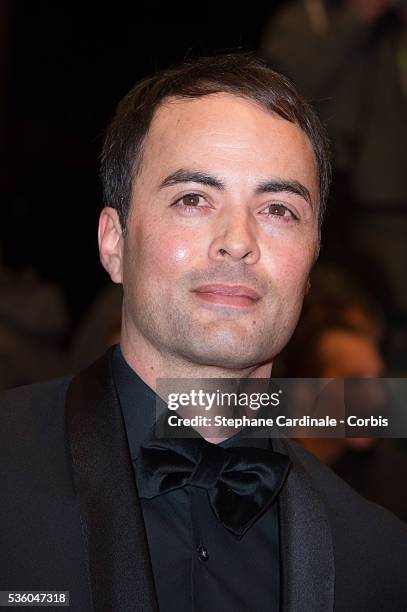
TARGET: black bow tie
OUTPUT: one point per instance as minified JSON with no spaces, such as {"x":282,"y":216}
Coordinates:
{"x":241,"y":481}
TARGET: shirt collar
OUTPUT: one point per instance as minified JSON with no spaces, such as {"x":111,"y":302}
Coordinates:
{"x":137,"y":401}
{"x":138,"y":404}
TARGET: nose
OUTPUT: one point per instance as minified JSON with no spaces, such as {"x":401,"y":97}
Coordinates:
{"x":235,"y":240}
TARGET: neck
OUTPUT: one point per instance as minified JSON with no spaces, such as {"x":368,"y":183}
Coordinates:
{"x":151,"y":364}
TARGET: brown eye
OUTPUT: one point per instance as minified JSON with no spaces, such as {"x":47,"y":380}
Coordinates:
{"x":279,"y":212}
{"x":191,"y":199}
{"x":277,"y":209}
{"x":192,"y":204}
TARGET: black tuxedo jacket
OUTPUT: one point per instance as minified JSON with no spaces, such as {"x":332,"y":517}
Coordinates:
{"x":70,"y":517}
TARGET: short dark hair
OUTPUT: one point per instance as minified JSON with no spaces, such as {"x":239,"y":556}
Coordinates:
{"x":240,"y":74}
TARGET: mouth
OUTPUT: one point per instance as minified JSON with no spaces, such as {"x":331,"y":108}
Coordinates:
{"x":238,"y":296}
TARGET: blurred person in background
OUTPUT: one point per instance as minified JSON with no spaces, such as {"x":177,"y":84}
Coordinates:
{"x":334,"y":297}
{"x":33,"y":328}
{"x":332,"y":348}
{"x":336,"y":294}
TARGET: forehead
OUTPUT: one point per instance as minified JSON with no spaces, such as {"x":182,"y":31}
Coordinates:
{"x":226,"y":132}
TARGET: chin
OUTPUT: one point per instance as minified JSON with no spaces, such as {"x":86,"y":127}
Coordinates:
{"x":225,"y":362}
{"x":232,"y":356}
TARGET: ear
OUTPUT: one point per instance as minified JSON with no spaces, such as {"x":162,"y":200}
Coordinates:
{"x":110,"y":237}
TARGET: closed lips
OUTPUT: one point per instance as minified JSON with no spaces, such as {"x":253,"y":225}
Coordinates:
{"x":232,"y":290}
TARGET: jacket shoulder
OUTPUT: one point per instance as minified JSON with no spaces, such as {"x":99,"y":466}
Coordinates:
{"x":38,"y":397}
{"x":366,"y":537}
{"x":29,"y":414}
{"x":339,"y":497}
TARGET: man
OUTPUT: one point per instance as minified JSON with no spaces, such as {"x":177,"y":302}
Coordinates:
{"x":215,"y":176}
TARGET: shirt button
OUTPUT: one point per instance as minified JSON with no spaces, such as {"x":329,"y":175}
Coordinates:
{"x":203,"y":553}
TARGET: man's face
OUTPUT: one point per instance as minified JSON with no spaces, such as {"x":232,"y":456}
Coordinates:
{"x":221,"y":233}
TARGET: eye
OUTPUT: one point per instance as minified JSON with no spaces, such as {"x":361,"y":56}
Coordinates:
{"x":279,"y":210}
{"x":191,"y":199}
{"x":190,"y":202}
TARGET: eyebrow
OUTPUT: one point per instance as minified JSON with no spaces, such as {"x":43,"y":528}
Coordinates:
{"x":285,"y":186}
{"x":273,"y":185}
{"x":191,"y":176}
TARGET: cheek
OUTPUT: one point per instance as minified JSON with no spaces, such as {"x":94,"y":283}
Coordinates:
{"x":162,"y":255}
{"x":182,"y":254}
{"x":289,"y":265}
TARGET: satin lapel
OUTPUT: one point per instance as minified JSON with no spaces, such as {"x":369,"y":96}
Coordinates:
{"x":308,"y":569}
{"x":120,"y":570}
